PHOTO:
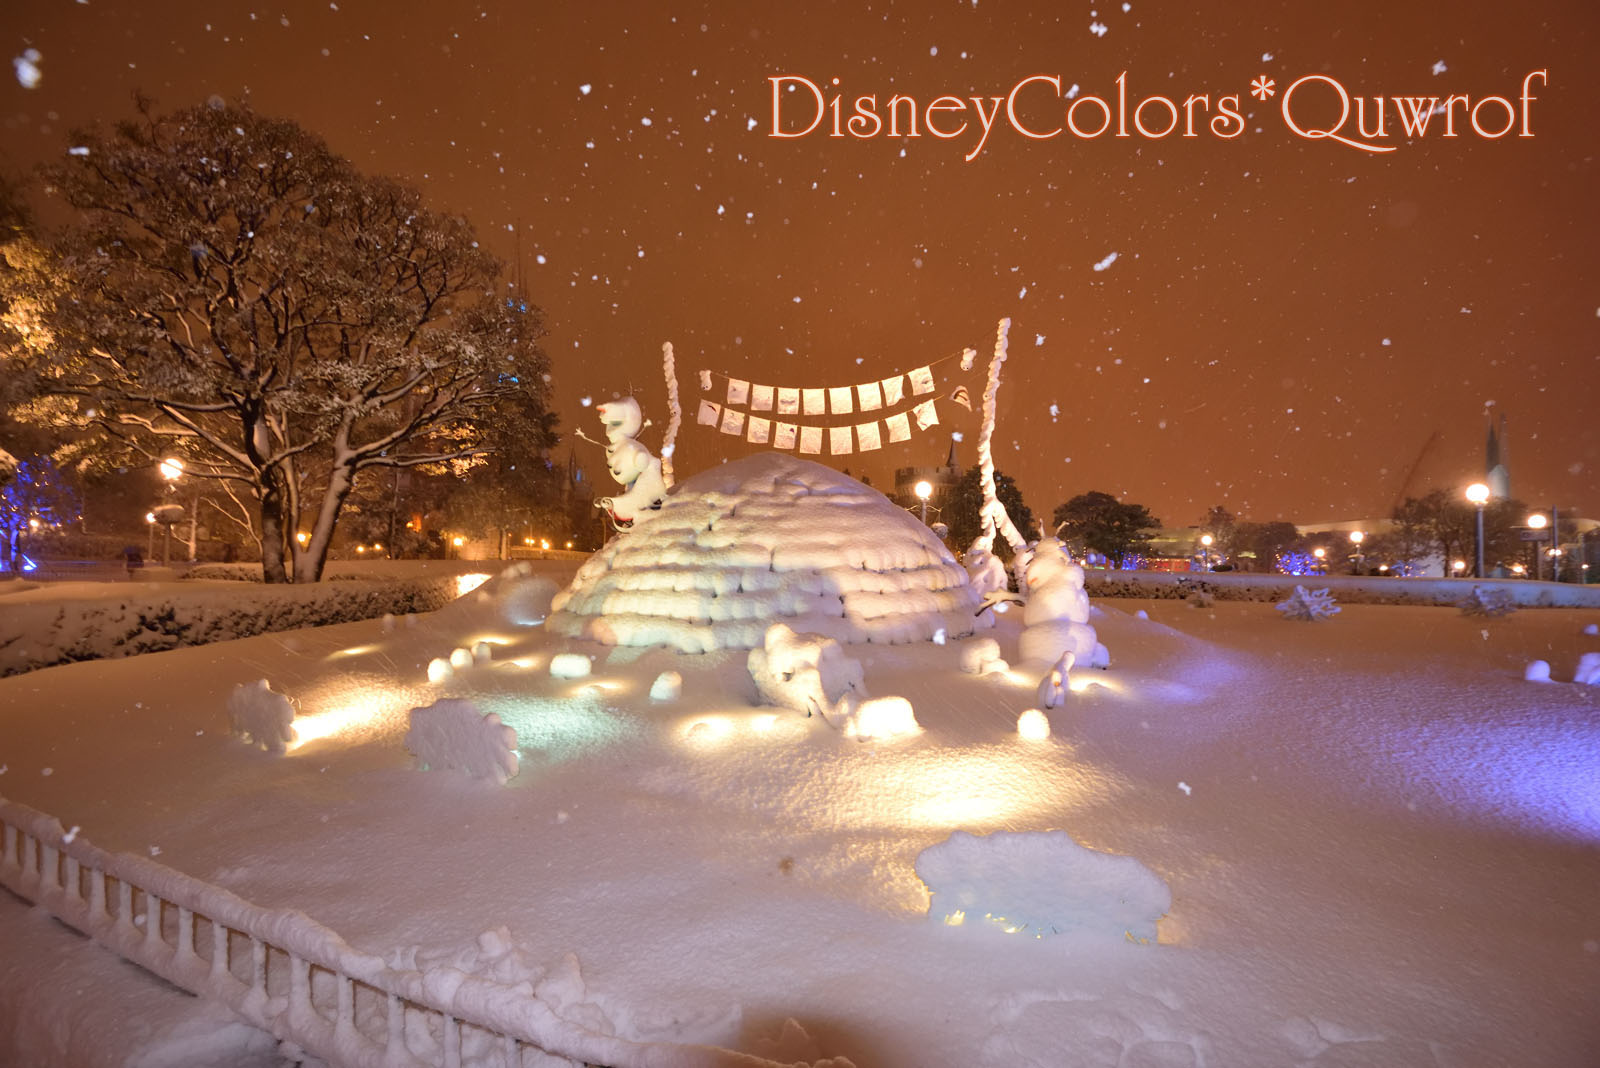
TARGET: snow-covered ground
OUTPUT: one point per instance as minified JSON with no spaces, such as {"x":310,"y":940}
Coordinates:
{"x":1379,"y":839}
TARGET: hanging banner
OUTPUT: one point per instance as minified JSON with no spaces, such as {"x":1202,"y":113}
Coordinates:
{"x":838,"y":440}
{"x":761,"y":398}
{"x":811,"y":439}
{"x":839,"y":400}
{"x":816,"y":401}
{"x":732,"y":422}
{"x":783,"y":435}
{"x":899,"y":428}
{"x":870,"y":396}
{"x":759,"y":428}
{"x":868,"y":436}
{"x":926,"y":414}
{"x":962,"y":397}
{"x":894,"y":390}
{"x":788,"y":400}
{"x":921,"y":381}
{"x":738,"y":392}
{"x":710,"y":413}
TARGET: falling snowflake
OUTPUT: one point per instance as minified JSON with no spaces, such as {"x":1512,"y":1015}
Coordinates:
{"x":1107,"y":262}
{"x":27,"y":67}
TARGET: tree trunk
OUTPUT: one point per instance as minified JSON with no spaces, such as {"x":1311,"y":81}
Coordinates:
{"x":309,"y":561}
{"x":273,"y":504}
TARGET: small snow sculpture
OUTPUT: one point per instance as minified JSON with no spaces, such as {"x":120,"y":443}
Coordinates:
{"x":981,"y":656}
{"x":453,"y":735}
{"x":1588,"y":672}
{"x":1537,"y":671}
{"x":1487,"y":602}
{"x":805,"y":672}
{"x":482,"y":652}
{"x":878,"y":718}
{"x":1309,"y":605}
{"x":1053,"y":687}
{"x":1033,"y":725}
{"x":1041,"y":883}
{"x":1055,"y":615}
{"x":460,"y":657}
{"x":569,"y":666}
{"x":631,"y":464}
{"x":1592,"y":629}
{"x":987,"y":572}
{"x":261,"y":717}
{"x":439,"y":670}
{"x":667,"y":687}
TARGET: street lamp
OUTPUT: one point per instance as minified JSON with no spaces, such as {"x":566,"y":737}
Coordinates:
{"x":1478,"y":494}
{"x":1205,"y":550}
{"x":923,"y":490}
{"x":150,"y":542}
{"x":1356,"y":538}
{"x":1321,"y":554}
{"x":1537,"y":521}
{"x":172,"y":470}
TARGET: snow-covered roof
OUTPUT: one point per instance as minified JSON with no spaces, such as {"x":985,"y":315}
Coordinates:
{"x":770,"y":537}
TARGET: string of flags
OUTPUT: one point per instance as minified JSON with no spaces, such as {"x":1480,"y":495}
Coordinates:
{"x":884,"y":394}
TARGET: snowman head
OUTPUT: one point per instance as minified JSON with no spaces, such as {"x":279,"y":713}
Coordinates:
{"x":622,"y":419}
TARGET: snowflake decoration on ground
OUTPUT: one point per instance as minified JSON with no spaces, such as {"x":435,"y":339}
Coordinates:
{"x":261,"y":717}
{"x":1487,"y":602}
{"x":1309,"y":605}
{"x":452,"y":734}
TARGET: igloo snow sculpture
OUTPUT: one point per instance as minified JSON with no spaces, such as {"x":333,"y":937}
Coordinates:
{"x":1055,"y":616}
{"x":766,"y":539}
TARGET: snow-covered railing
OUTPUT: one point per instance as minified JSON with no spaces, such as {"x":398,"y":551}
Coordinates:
{"x":287,"y":974}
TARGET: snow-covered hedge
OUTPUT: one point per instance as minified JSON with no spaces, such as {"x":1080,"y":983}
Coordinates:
{"x":1346,"y":589}
{"x":139,"y":619}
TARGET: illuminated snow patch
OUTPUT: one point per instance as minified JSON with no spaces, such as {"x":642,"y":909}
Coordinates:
{"x":439,"y":670}
{"x":882,"y":718}
{"x":1041,"y":883}
{"x":1033,"y":725}
{"x":465,"y":584}
{"x":358,"y":713}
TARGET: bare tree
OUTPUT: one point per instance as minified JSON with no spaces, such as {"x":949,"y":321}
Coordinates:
{"x":233,"y":293}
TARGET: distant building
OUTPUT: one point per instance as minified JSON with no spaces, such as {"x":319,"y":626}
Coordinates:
{"x":942,"y":480}
{"x":1495,"y":473}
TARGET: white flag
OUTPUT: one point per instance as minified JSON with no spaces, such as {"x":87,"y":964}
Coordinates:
{"x":732,"y":422}
{"x":870,"y":395}
{"x":783,"y":435}
{"x":788,"y":400}
{"x":838,"y":440}
{"x":921,"y":381}
{"x":811,"y":439}
{"x":759,"y":428}
{"x":710,"y":412}
{"x":894,"y":390}
{"x":927,"y":415}
{"x":816,"y":401}
{"x":868,"y":436}
{"x":738,"y":392}
{"x":761,"y":398}
{"x":899,"y":428}
{"x":839,"y":400}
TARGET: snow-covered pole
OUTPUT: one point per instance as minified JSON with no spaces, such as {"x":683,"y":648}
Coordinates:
{"x":668,"y":443}
{"x":993,"y":512}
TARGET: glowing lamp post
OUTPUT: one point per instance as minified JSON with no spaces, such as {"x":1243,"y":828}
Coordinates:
{"x":923,"y":490}
{"x":1206,"y":541}
{"x":1537,"y":521}
{"x":150,"y":542}
{"x":1322,"y":555}
{"x":1478,"y":494}
{"x":1356,"y":538}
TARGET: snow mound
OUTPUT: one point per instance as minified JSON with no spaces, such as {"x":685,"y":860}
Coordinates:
{"x":569,"y":666}
{"x":452,"y":734}
{"x":765,"y":539}
{"x":806,"y":672}
{"x":261,"y":717}
{"x":1588,"y":672}
{"x":880,"y":719}
{"x":667,"y":687}
{"x":981,"y":656}
{"x":1033,"y":725}
{"x":1041,"y":883}
{"x":1537,"y":671}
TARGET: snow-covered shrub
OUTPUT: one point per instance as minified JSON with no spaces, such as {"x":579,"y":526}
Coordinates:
{"x":261,"y":716}
{"x":667,"y":687}
{"x":1487,"y":602}
{"x":1200,"y":597}
{"x":1537,"y":671}
{"x":1588,"y":671}
{"x":981,"y":656}
{"x":569,"y":666}
{"x":1040,"y":883}
{"x":1309,"y":605}
{"x":805,"y":672}
{"x":452,"y":734}
{"x":879,"y":718}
